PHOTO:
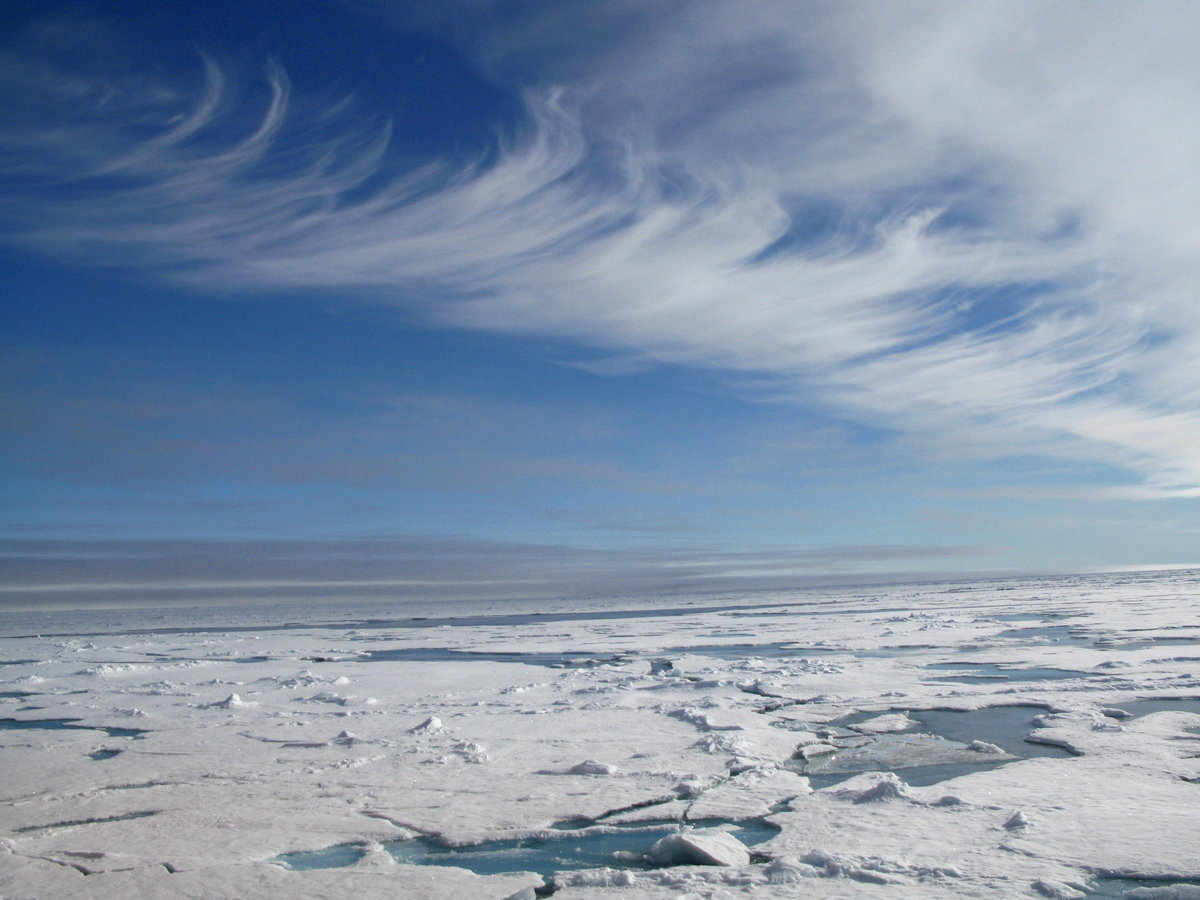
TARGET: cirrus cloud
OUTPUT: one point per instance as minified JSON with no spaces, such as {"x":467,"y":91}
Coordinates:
{"x":970,"y":223}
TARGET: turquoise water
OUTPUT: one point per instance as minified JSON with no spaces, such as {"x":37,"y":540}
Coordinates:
{"x":1004,"y":726}
{"x":63,"y":724}
{"x":620,"y":847}
{"x":335,"y":857}
{"x":982,"y":673}
{"x":1138,"y":708}
{"x":1054,"y":633}
{"x":1131,"y":888}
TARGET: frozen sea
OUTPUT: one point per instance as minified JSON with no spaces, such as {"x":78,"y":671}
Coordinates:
{"x":1031,"y":737}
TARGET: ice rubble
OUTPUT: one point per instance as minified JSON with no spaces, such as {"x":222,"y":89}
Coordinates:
{"x":253,"y":747}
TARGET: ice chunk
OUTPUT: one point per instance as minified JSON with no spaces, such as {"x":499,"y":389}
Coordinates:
{"x":326,"y":697}
{"x":887,"y":786}
{"x":699,"y":848}
{"x":592,"y":767}
{"x":1017,"y":820}
{"x":884,"y":724}
{"x":595,"y":878}
{"x":432,"y":725}
{"x":471,"y":752}
{"x":690,"y":786}
{"x":984,"y":747}
{"x":809,"y":751}
{"x":1057,"y":890}
{"x":233,"y":701}
{"x":700,"y":719}
{"x":304,"y":678}
{"x":788,"y":871}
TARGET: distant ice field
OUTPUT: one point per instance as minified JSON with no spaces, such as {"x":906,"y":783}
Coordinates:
{"x":1020,"y":738}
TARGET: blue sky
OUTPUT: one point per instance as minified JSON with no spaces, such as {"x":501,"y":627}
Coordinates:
{"x":490,"y":299}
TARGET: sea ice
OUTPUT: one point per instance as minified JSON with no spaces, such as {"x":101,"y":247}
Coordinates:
{"x":268,"y":733}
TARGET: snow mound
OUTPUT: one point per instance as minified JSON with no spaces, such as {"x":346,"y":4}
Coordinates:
{"x":105,"y":669}
{"x":699,"y":848}
{"x":788,"y":871}
{"x":592,"y":767}
{"x":886,"y":786}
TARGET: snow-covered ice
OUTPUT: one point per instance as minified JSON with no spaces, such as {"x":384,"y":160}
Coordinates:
{"x":871,"y":739}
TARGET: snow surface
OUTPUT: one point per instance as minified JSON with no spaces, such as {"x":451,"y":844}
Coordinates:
{"x":181,"y":752}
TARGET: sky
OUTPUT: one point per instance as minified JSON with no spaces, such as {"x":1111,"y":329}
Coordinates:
{"x":496,"y":298}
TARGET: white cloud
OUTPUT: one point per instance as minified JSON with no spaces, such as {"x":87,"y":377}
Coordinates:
{"x":1011,"y":268}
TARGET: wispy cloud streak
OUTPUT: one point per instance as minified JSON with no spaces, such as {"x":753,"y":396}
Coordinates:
{"x":1007,"y":271}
